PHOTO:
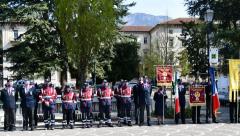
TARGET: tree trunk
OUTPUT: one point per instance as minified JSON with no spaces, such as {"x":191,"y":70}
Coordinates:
{"x":82,"y":74}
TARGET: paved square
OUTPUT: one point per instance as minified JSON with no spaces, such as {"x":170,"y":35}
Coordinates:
{"x":221,"y":129}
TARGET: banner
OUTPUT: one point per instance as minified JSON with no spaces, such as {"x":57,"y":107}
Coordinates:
{"x":164,"y":75}
{"x":234,"y":79}
{"x":197,"y":96}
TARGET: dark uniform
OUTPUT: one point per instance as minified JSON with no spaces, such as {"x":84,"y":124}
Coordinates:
{"x":105,"y":102}
{"x":136,"y":100}
{"x":28,"y":102}
{"x":86,"y":97}
{"x":126,"y":101}
{"x":9,"y":97}
{"x":68,"y":106}
{"x":117,"y":95}
{"x":38,"y":91}
{"x":182,"y":100}
{"x":234,"y":118}
{"x":144,"y":101}
{"x":48,"y":97}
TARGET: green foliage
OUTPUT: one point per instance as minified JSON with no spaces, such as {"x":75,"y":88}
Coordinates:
{"x":125,"y":62}
{"x":227,"y":35}
{"x":39,"y":49}
{"x":88,"y":26}
{"x":194,"y":40}
{"x":150,"y":60}
{"x":184,"y":63}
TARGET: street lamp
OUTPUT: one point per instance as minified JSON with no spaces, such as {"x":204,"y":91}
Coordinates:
{"x":208,"y":18}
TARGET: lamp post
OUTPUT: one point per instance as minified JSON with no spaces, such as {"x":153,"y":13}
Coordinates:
{"x":208,"y":18}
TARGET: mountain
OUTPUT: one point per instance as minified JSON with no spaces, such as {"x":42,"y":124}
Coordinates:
{"x":142,"y":19}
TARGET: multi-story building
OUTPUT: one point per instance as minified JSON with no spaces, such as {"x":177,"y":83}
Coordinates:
{"x":166,"y":39}
{"x":142,"y":34}
{"x":9,"y":32}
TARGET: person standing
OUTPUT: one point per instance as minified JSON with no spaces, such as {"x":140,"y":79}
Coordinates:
{"x":37,"y":89}
{"x":105,"y":95}
{"x":68,"y":106}
{"x":86,"y":98}
{"x":27,"y":94}
{"x":48,"y":97}
{"x":145,"y":101}
{"x":136,"y":99}
{"x":160,"y":99}
{"x":117,"y":96}
{"x":182,"y":100}
{"x":126,"y":94}
{"x":9,"y":96}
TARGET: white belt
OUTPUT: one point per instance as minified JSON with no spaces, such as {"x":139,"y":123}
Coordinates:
{"x":86,"y":99}
{"x":125,"y":96}
{"x":105,"y":97}
{"x":68,"y":101}
{"x":47,"y":97}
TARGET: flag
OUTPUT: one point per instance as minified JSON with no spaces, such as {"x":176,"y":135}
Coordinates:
{"x":215,"y":98}
{"x":177,"y":105}
{"x":234,"y":78}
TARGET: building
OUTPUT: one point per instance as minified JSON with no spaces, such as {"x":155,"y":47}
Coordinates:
{"x":166,"y":39}
{"x":9,"y":32}
{"x":142,"y":34}
{"x":163,"y":38}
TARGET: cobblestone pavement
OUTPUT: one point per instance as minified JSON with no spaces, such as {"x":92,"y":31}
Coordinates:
{"x":221,"y":129}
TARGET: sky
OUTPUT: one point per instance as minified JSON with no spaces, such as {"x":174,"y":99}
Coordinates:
{"x":172,"y":8}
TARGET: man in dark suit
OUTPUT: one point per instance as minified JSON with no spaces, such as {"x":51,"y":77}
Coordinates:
{"x":181,"y":92}
{"x":145,"y":100}
{"x":136,"y":90}
{"x":9,"y":98}
{"x":27,"y":94}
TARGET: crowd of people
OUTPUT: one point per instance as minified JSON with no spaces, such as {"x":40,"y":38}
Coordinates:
{"x":139,"y":95}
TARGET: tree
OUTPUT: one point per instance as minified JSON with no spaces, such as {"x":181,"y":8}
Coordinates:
{"x":184,"y":63}
{"x":194,"y":41}
{"x":227,"y":35}
{"x":125,"y":63}
{"x":150,"y":60}
{"x":40,"y":49}
{"x":88,"y":26}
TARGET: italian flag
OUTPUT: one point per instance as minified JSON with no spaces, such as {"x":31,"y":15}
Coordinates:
{"x":177,"y":105}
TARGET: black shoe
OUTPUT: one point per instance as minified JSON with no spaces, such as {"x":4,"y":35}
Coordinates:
{"x":141,"y":124}
{"x":207,"y":121}
{"x":136,"y":123}
{"x":25,"y":128}
{"x":129,"y":123}
{"x":199,"y":122}
{"x":32,"y":128}
{"x":215,"y":121}
{"x":149,"y":124}
{"x":110,"y":125}
{"x":72,"y":127}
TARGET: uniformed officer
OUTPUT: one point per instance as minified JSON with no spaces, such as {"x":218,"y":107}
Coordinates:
{"x":86,"y":97}
{"x":9,"y":97}
{"x":182,"y":100}
{"x":68,"y":106}
{"x":105,"y":101}
{"x":118,"y":99}
{"x":136,"y":89}
{"x":48,"y":97}
{"x":27,"y":94}
{"x":145,"y":101}
{"x":208,"y":100}
{"x":126,"y":94}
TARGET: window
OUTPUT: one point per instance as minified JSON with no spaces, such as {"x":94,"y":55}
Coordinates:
{"x":170,"y":42}
{"x":170,"y":31}
{"x":145,"y":40}
{"x":15,"y":34}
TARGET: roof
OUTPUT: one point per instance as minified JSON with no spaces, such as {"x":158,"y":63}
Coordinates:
{"x":136,"y":28}
{"x":179,"y":21}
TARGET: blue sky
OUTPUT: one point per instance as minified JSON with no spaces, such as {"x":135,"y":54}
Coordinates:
{"x":174,"y":8}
